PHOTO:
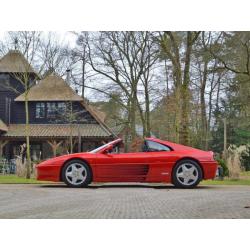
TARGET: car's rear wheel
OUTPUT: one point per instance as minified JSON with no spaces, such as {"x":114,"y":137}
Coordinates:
{"x":186,"y":174}
{"x":76,"y":173}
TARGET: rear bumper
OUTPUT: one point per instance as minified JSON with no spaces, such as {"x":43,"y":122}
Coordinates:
{"x":48,"y":173}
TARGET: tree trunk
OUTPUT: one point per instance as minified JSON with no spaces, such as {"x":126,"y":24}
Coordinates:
{"x":133,"y":117}
{"x":225,"y":139}
{"x":178,"y":108}
{"x":71,"y":129}
{"x":147,"y":112}
{"x":142,"y":116}
{"x":177,"y":119}
{"x":27,"y":133}
{"x":184,"y":131}
{"x":210,"y":108}
{"x":166,"y":74}
{"x":83,"y":76}
{"x":184,"y":126}
{"x":79,"y":142}
{"x":203,"y":108}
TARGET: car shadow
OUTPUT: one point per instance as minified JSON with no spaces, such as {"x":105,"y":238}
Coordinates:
{"x":111,"y":186}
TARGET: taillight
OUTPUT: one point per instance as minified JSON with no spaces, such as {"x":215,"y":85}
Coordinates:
{"x":212,"y":154}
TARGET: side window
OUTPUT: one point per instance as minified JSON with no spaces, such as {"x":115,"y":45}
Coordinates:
{"x":156,"y":147}
{"x":40,"y":110}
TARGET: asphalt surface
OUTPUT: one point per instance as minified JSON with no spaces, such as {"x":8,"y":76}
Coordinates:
{"x":123,"y":201}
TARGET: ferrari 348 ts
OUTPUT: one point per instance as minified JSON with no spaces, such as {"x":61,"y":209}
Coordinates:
{"x":158,"y":161}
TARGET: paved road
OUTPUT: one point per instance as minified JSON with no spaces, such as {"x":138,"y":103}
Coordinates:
{"x":123,"y":201}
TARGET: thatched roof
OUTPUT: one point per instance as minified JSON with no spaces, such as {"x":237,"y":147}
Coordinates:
{"x":3,"y":126}
{"x":15,"y":62}
{"x":98,"y":115}
{"x":54,"y":88}
{"x":51,"y":88}
{"x":102,"y":115}
{"x":118,"y":129}
{"x":57,"y":130}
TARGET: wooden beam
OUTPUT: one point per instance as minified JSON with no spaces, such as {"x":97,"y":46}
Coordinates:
{"x":54,"y":145}
{"x":2,"y":144}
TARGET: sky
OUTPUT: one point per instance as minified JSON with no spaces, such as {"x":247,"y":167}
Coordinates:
{"x":66,"y":37}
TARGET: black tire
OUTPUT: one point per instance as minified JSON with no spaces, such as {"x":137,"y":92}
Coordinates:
{"x":86,"y":174}
{"x":179,"y":181}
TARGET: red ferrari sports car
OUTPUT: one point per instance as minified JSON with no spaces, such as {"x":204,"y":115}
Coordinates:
{"x":158,"y":161}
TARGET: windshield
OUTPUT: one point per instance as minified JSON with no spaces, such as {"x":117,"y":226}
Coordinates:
{"x":101,"y":147}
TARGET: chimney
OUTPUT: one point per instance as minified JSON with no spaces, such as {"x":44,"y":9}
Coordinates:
{"x":68,"y":76}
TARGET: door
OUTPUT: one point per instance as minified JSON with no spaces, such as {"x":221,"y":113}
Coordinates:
{"x":121,"y":167}
{"x":160,"y":159}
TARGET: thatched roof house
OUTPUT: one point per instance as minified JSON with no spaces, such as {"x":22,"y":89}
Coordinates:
{"x":54,"y":88}
{"x":49,"y":124}
{"x":15,"y":62}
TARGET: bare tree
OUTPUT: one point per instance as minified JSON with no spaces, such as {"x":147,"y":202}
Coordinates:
{"x":54,"y":55}
{"x":125,"y":59}
{"x":80,"y":61}
{"x":173,"y":45}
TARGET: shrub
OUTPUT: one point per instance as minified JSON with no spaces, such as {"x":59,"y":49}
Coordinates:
{"x":245,"y":158}
{"x":223,"y":164}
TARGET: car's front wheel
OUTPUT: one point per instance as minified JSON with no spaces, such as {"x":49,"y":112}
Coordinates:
{"x":186,"y":174}
{"x":76,"y":173}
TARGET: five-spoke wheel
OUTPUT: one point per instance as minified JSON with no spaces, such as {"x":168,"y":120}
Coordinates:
{"x":186,"y":174}
{"x":76,"y":173}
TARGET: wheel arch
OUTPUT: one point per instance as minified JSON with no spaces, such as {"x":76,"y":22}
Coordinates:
{"x":72,"y":159}
{"x":188,"y":158}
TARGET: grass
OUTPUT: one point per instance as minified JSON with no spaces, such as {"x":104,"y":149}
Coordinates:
{"x":226,"y":182}
{"x":245,"y":174}
{"x":13,"y":179}
{"x":244,"y":180}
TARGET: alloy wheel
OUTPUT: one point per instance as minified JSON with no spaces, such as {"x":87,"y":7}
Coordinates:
{"x":187,"y":174}
{"x":76,"y":173}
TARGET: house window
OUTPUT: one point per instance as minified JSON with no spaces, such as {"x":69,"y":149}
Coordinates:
{"x":61,"y":108}
{"x":51,"y":110}
{"x":40,"y":110}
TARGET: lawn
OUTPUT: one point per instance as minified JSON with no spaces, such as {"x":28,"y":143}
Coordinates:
{"x":12,"y":179}
{"x":244,"y":180}
{"x":226,"y":182}
{"x":245,"y":174}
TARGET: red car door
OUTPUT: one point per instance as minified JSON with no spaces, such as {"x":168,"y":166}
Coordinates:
{"x":122,"y":167}
{"x":160,"y":159}
{"x":160,"y":166}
